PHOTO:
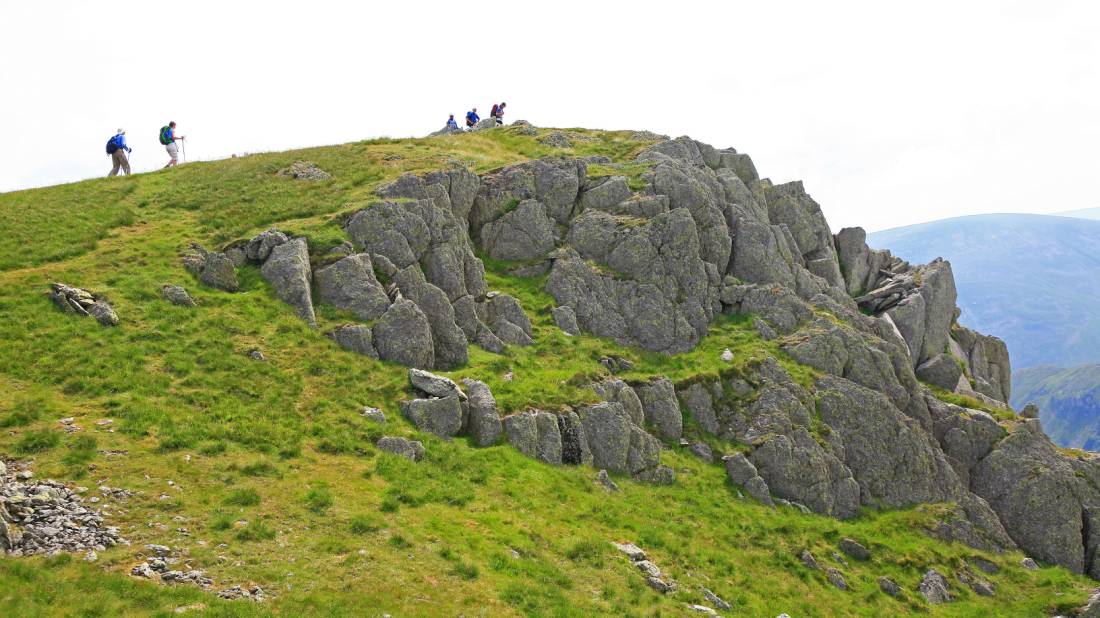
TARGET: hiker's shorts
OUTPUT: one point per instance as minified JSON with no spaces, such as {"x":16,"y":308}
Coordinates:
{"x":173,"y":151}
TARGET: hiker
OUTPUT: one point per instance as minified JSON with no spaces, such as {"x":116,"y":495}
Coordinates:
{"x":498,"y":113}
{"x":472,"y":118}
{"x":168,"y":137}
{"x":117,"y":148}
{"x":451,"y":124}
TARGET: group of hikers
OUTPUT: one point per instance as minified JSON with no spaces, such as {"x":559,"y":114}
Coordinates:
{"x":497,"y":113}
{"x":119,"y":150}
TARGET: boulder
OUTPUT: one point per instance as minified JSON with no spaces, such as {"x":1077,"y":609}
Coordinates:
{"x":403,"y":335}
{"x":287,"y":270}
{"x":448,"y":340}
{"x":176,"y":295}
{"x":483,"y":419}
{"x":854,"y":549}
{"x":356,"y":338}
{"x":891,"y":457}
{"x":699,"y":402}
{"x":525,"y":233}
{"x":933,"y":587}
{"x":373,"y":414}
{"x":605,"y":194}
{"x":574,"y":442}
{"x":350,"y":284}
{"x":566,"y":320}
{"x":259,"y":248}
{"x":942,"y":370}
{"x":217,"y":271}
{"x":662,"y":409}
{"x":797,"y":468}
{"x":535,"y":433}
{"x":410,"y":449}
{"x":434,"y":385}
{"x":442,"y":417}
{"x":103,"y":313}
{"x":607,"y":431}
{"x":888,"y":586}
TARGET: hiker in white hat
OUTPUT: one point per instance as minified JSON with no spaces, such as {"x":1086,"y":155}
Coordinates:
{"x":117,"y":148}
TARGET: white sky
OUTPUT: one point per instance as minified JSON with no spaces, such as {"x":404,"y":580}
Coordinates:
{"x":892,"y":113}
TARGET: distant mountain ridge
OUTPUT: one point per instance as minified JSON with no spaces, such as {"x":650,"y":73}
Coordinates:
{"x":1025,"y":278}
{"x":1068,"y":400}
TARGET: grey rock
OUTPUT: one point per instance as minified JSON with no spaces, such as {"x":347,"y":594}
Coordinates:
{"x":410,"y":449}
{"x":660,"y":475}
{"x":217,"y":271}
{"x":891,"y":457}
{"x":556,"y":139}
{"x":662,"y":409}
{"x":604,"y":479}
{"x":259,"y":248}
{"x":700,"y":404}
{"x":738,"y":468}
{"x":522,"y":234}
{"x":373,"y":414}
{"x":1030,"y":411}
{"x":483,"y":419}
{"x":648,"y":568}
{"x":632,"y":551}
{"x":566,"y":320}
{"x":506,"y":318}
{"x":758,"y":489}
{"x":1029,"y":563}
{"x":703,"y":451}
{"x":1024,"y":470}
{"x":836,"y":578}
{"x":808,"y":560}
{"x":888,"y":586}
{"x":941,"y":370}
{"x":448,"y":340}
{"x":796,"y":467}
{"x":176,"y":295}
{"x":933,"y":587}
{"x":660,"y":585}
{"x":350,"y":284}
{"x":435,"y":385}
{"x":855,"y":549}
{"x":607,"y":430}
{"x":716,"y":600}
{"x":287,"y":270}
{"x":606,"y":194}
{"x":355,"y":338}
{"x":535,"y":433}
{"x":403,"y":335}
{"x":442,"y":417}
{"x":644,"y":453}
{"x":103,"y":313}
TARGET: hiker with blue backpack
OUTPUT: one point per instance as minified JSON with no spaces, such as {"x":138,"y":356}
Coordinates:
{"x":472,"y":118}
{"x":117,"y":148}
{"x":168,"y":137}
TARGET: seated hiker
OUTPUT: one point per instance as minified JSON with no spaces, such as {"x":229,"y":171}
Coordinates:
{"x":498,"y":113}
{"x":472,"y":118}
{"x":117,"y":148}
{"x":168,"y":137}
{"x":451,"y":124}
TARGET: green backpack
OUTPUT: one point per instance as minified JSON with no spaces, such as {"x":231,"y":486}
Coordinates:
{"x":164,"y":139}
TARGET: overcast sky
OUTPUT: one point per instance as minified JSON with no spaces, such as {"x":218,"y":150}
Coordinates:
{"x":892,"y":113}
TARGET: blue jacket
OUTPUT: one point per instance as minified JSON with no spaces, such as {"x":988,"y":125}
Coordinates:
{"x":472,"y":118}
{"x":120,"y":140}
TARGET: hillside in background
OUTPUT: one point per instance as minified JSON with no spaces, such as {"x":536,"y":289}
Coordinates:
{"x":1084,"y":213}
{"x":1068,"y":400}
{"x":653,"y":345}
{"x":1029,"y":279}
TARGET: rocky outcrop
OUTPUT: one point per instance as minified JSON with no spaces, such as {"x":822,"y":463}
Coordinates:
{"x":287,"y":269}
{"x":350,"y":284}
{"x":83,"y":302}
{"x":403,"y":335}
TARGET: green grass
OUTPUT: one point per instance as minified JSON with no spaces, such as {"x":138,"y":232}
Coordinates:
{"x":275,"y":477}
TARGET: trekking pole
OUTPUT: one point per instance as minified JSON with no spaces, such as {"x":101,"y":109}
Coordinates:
{"x":183,"y":146}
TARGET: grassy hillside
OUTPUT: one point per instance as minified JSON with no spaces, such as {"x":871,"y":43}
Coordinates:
{"x":1068,"y":400}
{"x":264,"y":472}
{"x":1019,"y":277}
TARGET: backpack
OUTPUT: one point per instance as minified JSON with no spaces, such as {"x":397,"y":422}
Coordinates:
{"x":112,"y":145}
{"x":495,"y":112}
{"x":164,"y":135}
